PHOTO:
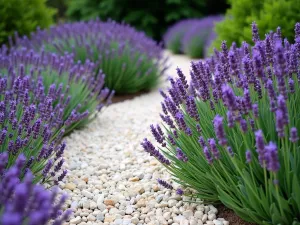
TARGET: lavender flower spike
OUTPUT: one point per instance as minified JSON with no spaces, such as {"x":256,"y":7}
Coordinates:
{"x":271,"y":156}
{"x":294,"y":135}
{"x":179,"y":191}
{"x":219,"y":130}
{"x":207,"y":155}
{"x":260,"y":146}
{"x":255,"y":35}
{"x":248,"y":156}
{"x":213,"y":148}
{"x":165,"y":184}
{"x":181,"y":156}
{"x":148,"y":147}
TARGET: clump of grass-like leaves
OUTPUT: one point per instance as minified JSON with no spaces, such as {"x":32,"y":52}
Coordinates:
{"x":130,"y":60}
{"x":232,"y":133}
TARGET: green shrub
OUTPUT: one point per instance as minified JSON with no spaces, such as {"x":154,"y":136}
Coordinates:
{"x":232,"y":134}
{"x":152,"y":17}
{"x":268,"y":15}
{"x":23,"y":16}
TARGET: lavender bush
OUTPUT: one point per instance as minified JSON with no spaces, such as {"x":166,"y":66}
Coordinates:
{"x":197,"y":39}
{"x":173,"y":36}
{"x":71,"y":90}
{"x":231,"y":134}
{"x":25,"y":203}
{"x":42,"y":98}
{"x":130,"y":60}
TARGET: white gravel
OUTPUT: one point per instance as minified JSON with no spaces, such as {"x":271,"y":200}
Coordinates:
{"x":112,"y":180}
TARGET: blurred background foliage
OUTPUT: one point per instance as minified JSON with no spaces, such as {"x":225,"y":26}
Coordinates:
{"x":268,"y":15}
{"x":23,"y":16}
{"x":153,"y":17}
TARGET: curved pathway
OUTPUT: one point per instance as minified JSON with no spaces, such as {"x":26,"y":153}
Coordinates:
{"x":113,"y":181}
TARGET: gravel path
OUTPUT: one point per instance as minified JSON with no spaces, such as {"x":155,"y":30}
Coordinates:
{"x":113,"y":181}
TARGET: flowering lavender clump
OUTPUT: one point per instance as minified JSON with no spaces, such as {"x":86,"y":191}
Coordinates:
{"x":130,"y":60}
{"x":36,"y":110}
{"x":63,"y":91}
{"x":198,"y":37}
{"x":247,"y":152}
{"x":173,"y":36}
{"x":23,"y":202}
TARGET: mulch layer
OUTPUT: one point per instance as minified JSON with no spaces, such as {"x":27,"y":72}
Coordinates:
{"x":230,"y":216}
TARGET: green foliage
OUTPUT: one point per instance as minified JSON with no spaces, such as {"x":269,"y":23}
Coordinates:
{"x":152,"y":17}
{"x":23,"y":16}
{"x":121,"y":71}
{"x":268,"y":14}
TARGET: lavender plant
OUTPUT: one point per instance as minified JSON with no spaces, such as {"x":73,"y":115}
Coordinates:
{"x":71,"y":89}
{"x":173,"y":36}
{"x":231,"y":134}
{"x":40,"y":101}
{"x":196,"y":41}
{"x":130,"y":60}
{"x":25,"y":203}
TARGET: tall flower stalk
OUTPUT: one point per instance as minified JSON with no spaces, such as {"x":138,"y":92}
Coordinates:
{"x":241,"y":113}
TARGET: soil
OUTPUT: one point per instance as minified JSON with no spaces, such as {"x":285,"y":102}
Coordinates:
{"x":230,"y":216}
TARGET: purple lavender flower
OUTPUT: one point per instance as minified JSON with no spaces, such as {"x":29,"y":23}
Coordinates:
{"x":180,"y":121}
{"x":171,"y":139}
{"x":198,"y":127}
{"x":294,"y":135}
{"x":229,"y":150}
{"x":229,"y":98}
{"x":18,"y":195}
{"x":165,"y":184}
{"x":213,"y":148}
{"x":248,"y":156}
{"x":230,"y":119}
{"x":255,"y":110}
{"x":255,"y":35}
{"x":260,"y":146}
{"x":243,"y":125}
{"x":207,"y":155}
{"x":271,"y":156}
{"x":156,"y":134}
{"x":179,"y":191}
{"x":219,"y":130}
{"x":180,"y":155}
{"x":148,"y":147}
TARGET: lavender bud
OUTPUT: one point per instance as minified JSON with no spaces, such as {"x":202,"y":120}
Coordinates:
{"x":294,"y":135}
{"x":248,"y":156}
{"x":165,"y":184}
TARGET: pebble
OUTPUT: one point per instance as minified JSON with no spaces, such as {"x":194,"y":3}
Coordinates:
{"x":70,"y":186}
{"x":76,"y":220}
{"x":109,"y":202}
{"x":112,"y":180}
